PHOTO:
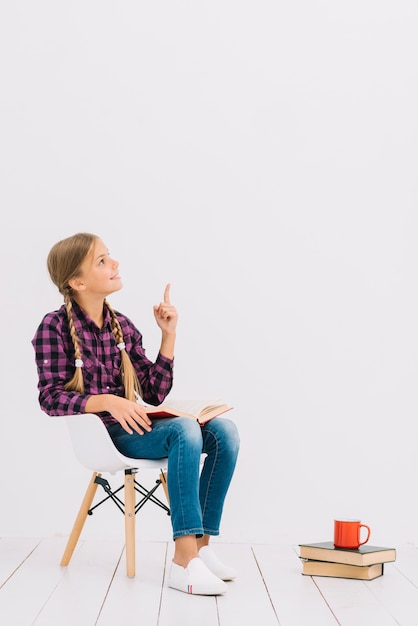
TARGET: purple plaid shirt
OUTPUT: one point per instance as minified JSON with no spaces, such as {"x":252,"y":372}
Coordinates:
{"x":54,"y":355}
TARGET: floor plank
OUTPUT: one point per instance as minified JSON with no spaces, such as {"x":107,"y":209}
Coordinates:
{"x":247,"y":600}
{"x":141,"y":594}
{"x":14,"y":551}
{"x":83,"y":585}
{"x":296,"y":598}
{"x":29,"y":588}
{"x":353,"y":603}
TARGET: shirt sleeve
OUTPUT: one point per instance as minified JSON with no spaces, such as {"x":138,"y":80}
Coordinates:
{"x":54,"y":369}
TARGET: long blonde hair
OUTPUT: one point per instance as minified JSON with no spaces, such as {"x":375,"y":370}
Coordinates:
{"x":64,"y":262}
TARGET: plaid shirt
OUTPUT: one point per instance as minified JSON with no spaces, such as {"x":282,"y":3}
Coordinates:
{"x":55,"y":360}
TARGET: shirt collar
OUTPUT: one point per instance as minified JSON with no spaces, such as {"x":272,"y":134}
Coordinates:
{"x":83,"y":321}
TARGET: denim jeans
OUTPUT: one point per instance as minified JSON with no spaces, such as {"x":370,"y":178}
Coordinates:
{"x":196,"y":495}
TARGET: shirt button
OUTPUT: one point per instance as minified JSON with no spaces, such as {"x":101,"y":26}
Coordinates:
{"x":45,"y":361}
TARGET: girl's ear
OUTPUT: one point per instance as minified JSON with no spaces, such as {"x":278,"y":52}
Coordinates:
{"x":76,"y":284}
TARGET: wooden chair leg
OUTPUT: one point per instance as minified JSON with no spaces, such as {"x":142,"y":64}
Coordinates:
{"x":80,"y":519}
{"x":130,"y":523}
{"x":163,"y":478}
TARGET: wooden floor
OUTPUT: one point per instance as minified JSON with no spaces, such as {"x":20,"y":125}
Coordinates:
{"x":270,"y":589}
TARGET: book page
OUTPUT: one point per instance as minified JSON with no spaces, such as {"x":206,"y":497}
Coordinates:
{"x":194,"y":406}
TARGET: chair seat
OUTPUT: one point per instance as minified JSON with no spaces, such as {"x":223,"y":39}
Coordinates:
{"x":96,"y":451}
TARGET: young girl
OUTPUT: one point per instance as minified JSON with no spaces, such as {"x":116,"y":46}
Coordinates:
{"x":90,"y":359}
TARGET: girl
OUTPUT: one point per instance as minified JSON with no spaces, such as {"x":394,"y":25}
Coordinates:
{"x":90,"y":359}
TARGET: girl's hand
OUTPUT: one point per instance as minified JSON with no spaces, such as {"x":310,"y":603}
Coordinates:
{"x":166,"y":314}
{"x":130,"y":415}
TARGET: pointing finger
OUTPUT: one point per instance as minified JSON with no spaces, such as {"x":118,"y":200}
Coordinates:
{"x":167,"y":294}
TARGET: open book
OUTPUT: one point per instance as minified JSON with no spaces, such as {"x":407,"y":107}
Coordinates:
{"x":200,"y":410}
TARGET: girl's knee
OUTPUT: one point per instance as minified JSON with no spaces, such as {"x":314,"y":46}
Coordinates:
{"x":225,"y":431}
{"x":187,"y":429}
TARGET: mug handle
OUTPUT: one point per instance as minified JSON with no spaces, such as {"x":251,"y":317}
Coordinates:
{"x":368,"y":534}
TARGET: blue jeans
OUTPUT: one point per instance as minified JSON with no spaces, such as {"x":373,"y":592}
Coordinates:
{"x":196,"y":497}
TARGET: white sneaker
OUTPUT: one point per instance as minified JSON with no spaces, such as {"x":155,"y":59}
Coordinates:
{"x":209,"y":558}
{"x":196,"y":578}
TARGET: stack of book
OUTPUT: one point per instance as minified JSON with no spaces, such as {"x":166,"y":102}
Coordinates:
{"x":324,"y":559}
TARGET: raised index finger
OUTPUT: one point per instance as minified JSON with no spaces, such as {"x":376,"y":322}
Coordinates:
{"x":167,"y":294}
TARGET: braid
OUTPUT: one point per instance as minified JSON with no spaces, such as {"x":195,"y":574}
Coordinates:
{"x":77,"y":382}
{"x":129,"y":377}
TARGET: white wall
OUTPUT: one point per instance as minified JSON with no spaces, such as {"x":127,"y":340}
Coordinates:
{"x":262,"y":157}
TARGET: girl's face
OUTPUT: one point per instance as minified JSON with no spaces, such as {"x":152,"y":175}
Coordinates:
{"x":99,"y":273}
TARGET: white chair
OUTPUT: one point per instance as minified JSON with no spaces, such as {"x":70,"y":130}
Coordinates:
{"x":96,"y":451}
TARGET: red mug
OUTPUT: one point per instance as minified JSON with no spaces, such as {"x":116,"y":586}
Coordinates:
{"x":347,"y":533}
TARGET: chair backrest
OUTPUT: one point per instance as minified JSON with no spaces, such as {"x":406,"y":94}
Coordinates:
{"x":95,"y":449}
